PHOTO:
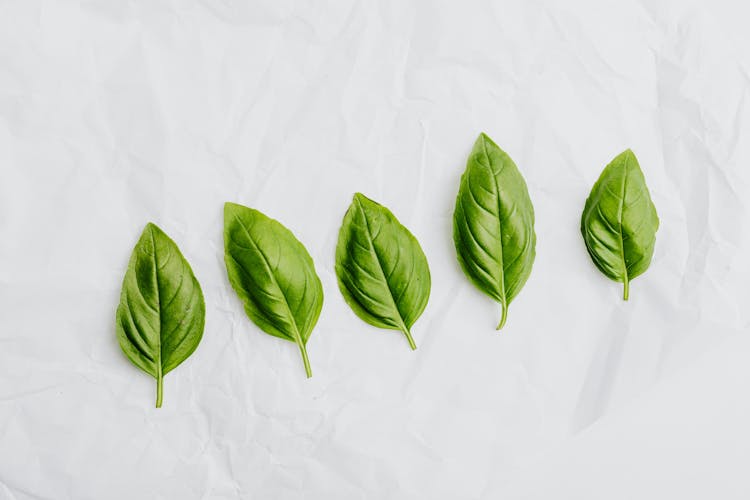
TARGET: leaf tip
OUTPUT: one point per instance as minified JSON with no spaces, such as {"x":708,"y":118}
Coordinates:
{"x":486,"y":139}
{"x":363,"y":199}
{"x":628,"y":153}
{"x":230,"y":207}
{"x":153,"y":230}
{"x":484,"y":143}
{"x":358,"y":197}
{"x":366,"y":203}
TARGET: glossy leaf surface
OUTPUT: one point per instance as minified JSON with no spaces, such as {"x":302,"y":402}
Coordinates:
{"x":273,"y":274}
{"x":493,"y":224}
{"x":162,"y":313}
{"x":619,"y":221}
{"x":381,"y":269}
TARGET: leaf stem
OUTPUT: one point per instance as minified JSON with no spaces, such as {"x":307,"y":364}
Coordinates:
{"x":625,"y":288}
{"x":159,"y":386}
{"x":410,"y":339}
{"x":503,"y":315}
{"x":303,"y":350}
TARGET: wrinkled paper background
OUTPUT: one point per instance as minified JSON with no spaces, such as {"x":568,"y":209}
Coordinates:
{"x":116,"y":113}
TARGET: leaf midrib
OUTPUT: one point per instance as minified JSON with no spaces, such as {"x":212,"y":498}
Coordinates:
{"x":159,"y":366}
{"x":621,"y":214}
{"x":499,"y":221}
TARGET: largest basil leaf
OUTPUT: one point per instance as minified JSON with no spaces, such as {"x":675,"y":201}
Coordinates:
{"x":619,"y":221}
{"x":162,"y":313}
{"x":381,"y":269}
{"x":273,"y":274}
{"x":493,"y":224}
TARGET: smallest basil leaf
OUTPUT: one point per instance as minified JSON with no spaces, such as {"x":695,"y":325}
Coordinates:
{"x":619,"y":221}
{"x":381,"y":269}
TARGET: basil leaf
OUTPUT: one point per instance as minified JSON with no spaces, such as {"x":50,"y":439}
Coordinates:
{"x":381,"y":269}
{"x":619,"y":221}
{"x":493,"y":224}
{"x":273,"y":274}
{"x":162,"y":313}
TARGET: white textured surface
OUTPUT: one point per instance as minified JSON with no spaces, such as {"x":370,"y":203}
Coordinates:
{"x":117,"y":113}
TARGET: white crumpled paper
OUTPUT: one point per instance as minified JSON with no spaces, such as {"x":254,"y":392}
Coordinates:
{"x":113,"y":114}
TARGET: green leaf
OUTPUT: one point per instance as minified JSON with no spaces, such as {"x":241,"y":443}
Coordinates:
{"x":619,"y":221}
{"x":162,"y":313}
{"x":493,"y":224}
{"x":273,"y":274}
{"x":381,"y":269}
